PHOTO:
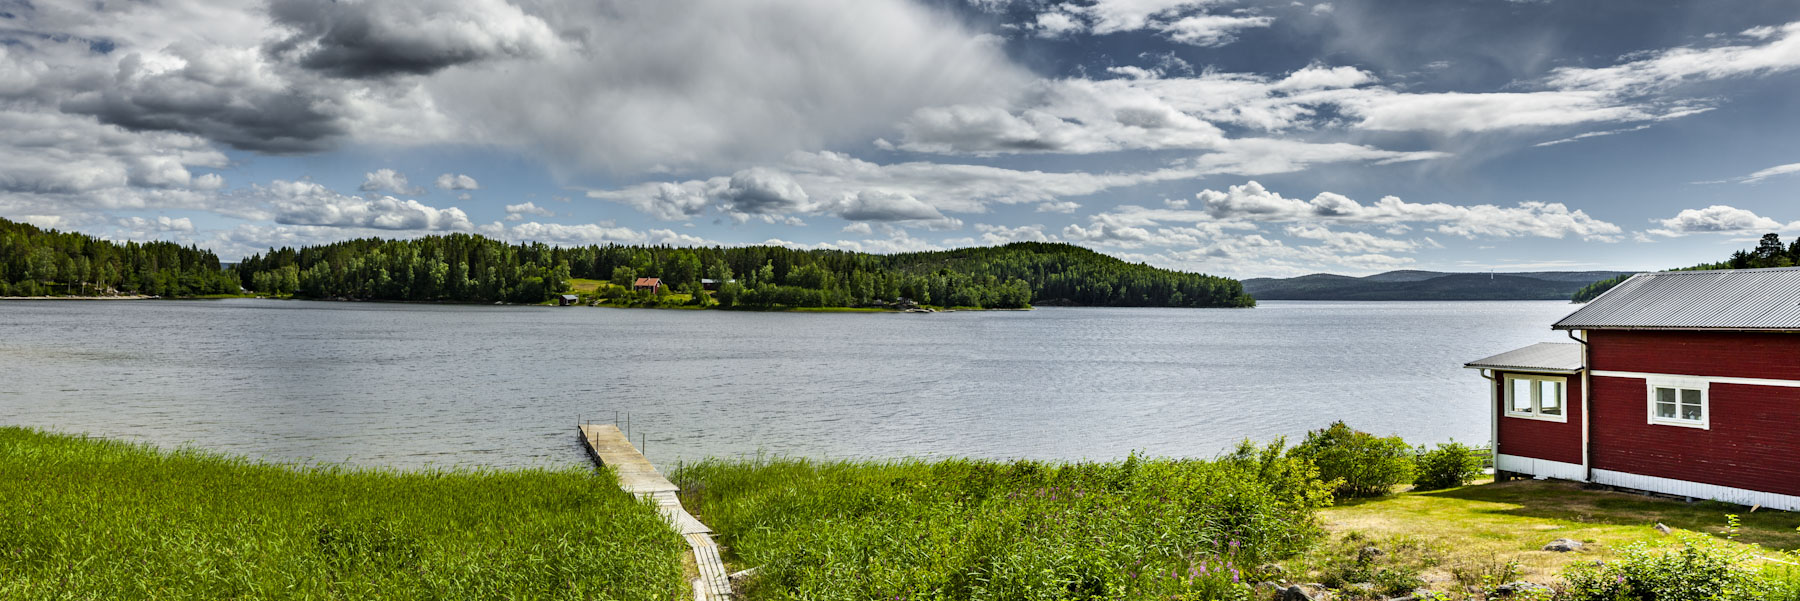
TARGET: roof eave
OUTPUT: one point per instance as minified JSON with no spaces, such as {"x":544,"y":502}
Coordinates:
{"x":1522,"y":369}
{"x":1674,"y":328}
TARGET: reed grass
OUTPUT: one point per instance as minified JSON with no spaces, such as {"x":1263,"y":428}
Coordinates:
{"x":95,"y":519}
{"x":963,"y":529}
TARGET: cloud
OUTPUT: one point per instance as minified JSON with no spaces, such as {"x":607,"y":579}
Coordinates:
{"x":675,"y":86}
{"x":1351,"y":242}
{"x":1771,"y":172}
{"x":56,"y":153}
{"x":1718,"y":219}
{"x":1058,"y":207}
{"x":457,"y":181}
{"x":763,"y":190}
{"x":379,"y":39}
{"x":1776,"y":49}
{"x":680,"y":86}
{"x":388,"y":180}
{"x":882,"y":205}
{"x":993,"y":235}
{"x":1212,"y":30}
{"x":857,"y":228}
{"x":519,"y":211}
{"x":146,"y":228}
{"x":308,"y":203}
{"x":1252,"y":202}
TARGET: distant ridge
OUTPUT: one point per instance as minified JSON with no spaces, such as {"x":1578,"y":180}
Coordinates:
{"x":1427,"y":285}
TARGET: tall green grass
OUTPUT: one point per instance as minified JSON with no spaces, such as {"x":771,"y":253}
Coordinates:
{"x":92,"y":519}
{"x":959,"y":529}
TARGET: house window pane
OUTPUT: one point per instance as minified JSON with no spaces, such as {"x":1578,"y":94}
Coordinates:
{"x":1690,"y":405}
{"x":1665,"y":403}
{"x":1520,"y":396}
{"x":1550,"y":396}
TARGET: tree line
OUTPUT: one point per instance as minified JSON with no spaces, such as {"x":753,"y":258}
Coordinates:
{"x":1769,"y":252}
{"x":463,"y":267}
{"x":40,"y":262}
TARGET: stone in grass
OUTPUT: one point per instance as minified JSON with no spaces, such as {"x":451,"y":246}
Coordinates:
{"x":1518,"y":586}
{"x":1563,"y":545}
{"x":1368,"y":554}
{"x":1295,"y":593}
{"x":741,"y":578}
{"x":1661,"y":528}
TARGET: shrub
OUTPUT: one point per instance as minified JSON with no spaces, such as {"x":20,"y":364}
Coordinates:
{"x":1698,"y":569}
{"x":1362,"y":464}
{"x":1448,"y":466}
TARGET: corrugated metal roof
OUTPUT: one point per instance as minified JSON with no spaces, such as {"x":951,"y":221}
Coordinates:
{"x":1563,"y":357}
{"x":1725,"y":299}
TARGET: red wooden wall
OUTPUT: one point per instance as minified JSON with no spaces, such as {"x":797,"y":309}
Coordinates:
{"x":1754,"y":439}
{"x":1539,"y":439}
{"x":1732,"y":354}
{"x":1753,"y":443}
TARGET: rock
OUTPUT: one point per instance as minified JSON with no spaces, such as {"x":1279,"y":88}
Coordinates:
{"x":1270,"y":569}
{"x":1563,"y":545}
{"x":740,"y":578}
{"x":1295,"y":593}
{"x":1368,"y":553}
{"x":1518,"y":586}
{"x":1661,"y":528}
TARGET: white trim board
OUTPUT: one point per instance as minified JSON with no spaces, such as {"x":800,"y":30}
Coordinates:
{"x":1670,"y":486}
{"x":1641,"y":375}
{"x":1540,"y":467}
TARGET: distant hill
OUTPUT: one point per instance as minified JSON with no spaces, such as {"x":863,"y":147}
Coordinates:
{"x":1427,"y":285}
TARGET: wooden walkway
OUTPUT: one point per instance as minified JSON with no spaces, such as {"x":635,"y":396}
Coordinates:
{"x":609,"y":447}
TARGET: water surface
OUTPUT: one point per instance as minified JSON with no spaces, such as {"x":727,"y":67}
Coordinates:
{"x":410,"y":385}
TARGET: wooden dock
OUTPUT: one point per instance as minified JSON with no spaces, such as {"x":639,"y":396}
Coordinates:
{"x":609,"y":447}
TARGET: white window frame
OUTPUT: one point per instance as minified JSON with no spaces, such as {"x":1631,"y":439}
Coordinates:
{"x":1537,"y":403}
{"x":1679,"y":384}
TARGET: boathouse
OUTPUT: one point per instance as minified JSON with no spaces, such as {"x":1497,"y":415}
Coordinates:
{"x":1683,"y":383}
{"x":567,"y":300}
{"x":647,"y":285}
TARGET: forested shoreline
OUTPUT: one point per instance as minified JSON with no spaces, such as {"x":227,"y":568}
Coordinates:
{"x":463,"y":267}
{"x":39,"y":262}
{"x":472,"y":268}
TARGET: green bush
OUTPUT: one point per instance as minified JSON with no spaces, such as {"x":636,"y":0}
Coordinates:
{"x":1360,"y":463}
{"x":1700,"y":568}
{"x":1448,"y":466}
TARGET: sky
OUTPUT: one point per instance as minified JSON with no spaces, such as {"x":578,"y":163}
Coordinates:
{"x":1244,"y":138}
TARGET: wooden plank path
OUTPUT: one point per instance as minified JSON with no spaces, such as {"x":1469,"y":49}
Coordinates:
{"x":609,"y":447}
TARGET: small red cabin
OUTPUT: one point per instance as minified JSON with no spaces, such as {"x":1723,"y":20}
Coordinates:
{"x":647,"y":285}
{"x":1684,"y":383}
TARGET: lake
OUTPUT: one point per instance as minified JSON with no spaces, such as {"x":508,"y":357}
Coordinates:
{"x":412,"y":385}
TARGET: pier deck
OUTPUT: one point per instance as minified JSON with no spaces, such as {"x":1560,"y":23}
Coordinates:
{"x":609,"y":447}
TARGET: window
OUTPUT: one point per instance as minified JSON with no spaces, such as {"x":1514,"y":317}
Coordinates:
{"x":1537,"y":397}
{"x":1676,"y":402}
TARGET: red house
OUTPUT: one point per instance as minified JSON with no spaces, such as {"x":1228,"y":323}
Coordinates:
{"x":1684,"y":383}
{"x":647,"y":285}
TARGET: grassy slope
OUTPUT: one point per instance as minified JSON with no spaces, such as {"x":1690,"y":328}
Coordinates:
{"x":89,"y":519}
{"x":1478,"y":529}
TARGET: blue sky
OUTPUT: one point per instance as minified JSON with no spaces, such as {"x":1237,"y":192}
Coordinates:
{"x":1241,"y":138}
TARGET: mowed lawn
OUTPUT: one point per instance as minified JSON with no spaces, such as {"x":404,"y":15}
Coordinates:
{"x":95,"y":519}
{"x":1455,"y":536}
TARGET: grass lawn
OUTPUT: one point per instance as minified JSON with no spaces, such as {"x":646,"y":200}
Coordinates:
{"x":1454,"y":537}
{"x":93,"y":519}
{"x":586,"y":286}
